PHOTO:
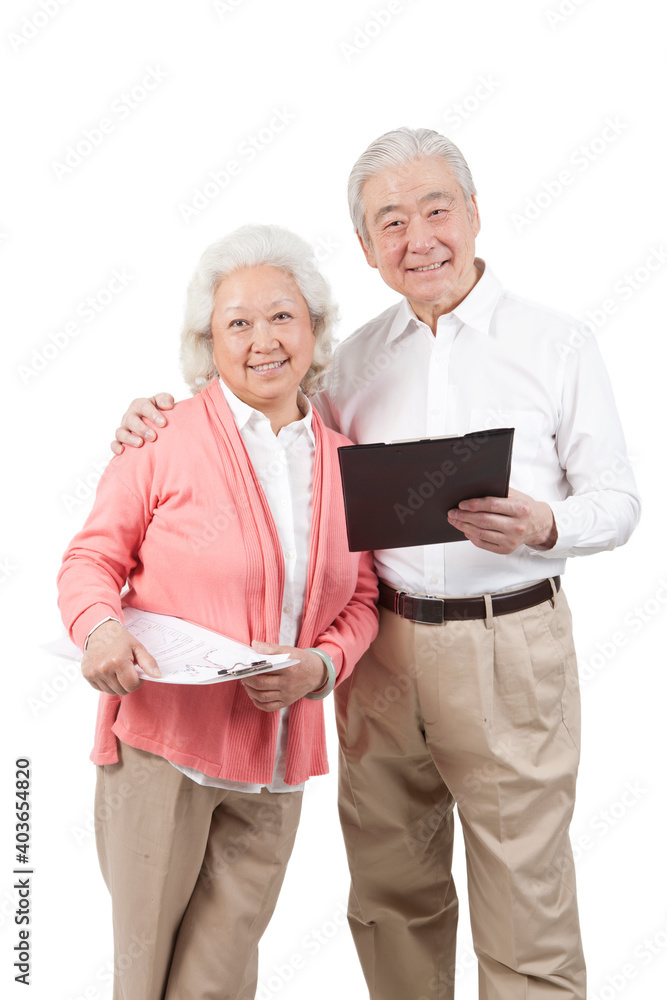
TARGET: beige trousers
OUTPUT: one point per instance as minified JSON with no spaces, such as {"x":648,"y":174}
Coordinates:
{"x":483,"y":715}
{"x":194,"y":875}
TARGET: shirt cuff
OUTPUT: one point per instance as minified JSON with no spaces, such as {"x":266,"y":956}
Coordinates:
{"x":568,"y":518}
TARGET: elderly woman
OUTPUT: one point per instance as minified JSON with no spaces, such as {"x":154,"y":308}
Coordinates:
{"x":233,"y":520}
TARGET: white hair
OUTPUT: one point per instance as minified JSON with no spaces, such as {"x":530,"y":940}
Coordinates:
{"x":254,"y":246}
{"x":392,"y":149}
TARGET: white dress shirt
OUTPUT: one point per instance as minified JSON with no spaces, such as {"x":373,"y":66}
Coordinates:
{"x":283,"y":464}
{"x":495,"y":361}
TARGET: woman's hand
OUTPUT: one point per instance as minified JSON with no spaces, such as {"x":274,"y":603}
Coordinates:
{"x":269,"y":692}
{"x":109,"y":660}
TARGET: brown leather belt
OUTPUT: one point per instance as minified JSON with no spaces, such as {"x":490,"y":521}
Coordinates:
{"x":438,"y":610}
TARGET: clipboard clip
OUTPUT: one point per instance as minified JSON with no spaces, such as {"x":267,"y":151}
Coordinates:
{"x":245,"y":668}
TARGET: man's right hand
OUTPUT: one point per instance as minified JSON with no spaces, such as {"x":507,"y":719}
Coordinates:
{"x":135,"y":428}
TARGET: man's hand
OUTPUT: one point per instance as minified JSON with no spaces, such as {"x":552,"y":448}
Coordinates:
{"x":109,"y":660}
{"x":269,"y":692}
{"x":502,"y":524}
{"x":135,"y":429}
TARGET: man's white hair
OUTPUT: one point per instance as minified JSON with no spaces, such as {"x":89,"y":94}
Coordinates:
{"x":254,"y":246}
{"x":392,"y":149}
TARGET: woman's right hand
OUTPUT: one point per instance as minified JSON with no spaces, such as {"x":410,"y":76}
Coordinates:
{"x":134,"y":429}
{"x":109,"y":660}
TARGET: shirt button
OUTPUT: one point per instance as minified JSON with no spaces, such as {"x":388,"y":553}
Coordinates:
{"x":435,"y":412}
{"x":289,"y":555}
{"x":440,"y":358}
{"x":434,"y":579}
{"x":287,"y":610}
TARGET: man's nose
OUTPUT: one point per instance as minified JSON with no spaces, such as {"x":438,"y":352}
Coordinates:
{"x":420,"y":236}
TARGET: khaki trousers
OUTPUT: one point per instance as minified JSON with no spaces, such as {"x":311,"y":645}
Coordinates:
{"x":194,"y":875}
{"x":483,"y":715}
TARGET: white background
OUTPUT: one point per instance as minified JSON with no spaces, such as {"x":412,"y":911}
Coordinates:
{"x":536,"y":89}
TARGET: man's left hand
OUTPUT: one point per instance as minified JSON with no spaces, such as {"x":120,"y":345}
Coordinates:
{"x":270,"y":692}
{"x":502,"y":524}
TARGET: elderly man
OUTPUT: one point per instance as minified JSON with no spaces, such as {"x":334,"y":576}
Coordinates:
{"x":481,"y":708}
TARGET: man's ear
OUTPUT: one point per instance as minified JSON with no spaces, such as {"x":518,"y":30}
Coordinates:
{"x":368,"y":254}
{"x":476,"y":221}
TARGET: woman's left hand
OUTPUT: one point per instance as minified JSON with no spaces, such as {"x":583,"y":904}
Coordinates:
{"x":269,"y":692}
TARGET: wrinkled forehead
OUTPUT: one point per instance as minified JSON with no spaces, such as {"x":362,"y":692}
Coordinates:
{"x":419,"y":181}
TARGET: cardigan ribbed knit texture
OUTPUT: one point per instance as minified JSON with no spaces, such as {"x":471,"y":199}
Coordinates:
{"x":186,"y":522}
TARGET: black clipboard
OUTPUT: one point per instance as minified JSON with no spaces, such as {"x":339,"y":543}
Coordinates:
{"x":398,"y":494}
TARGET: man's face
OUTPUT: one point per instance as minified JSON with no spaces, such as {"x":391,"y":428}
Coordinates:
{"x":421,"y":234}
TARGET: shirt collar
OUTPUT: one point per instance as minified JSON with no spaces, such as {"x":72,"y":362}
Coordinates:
{"x":243,"y":413}
{"x":474,"y":311}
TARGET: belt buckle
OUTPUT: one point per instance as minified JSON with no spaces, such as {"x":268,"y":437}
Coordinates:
{"x":435,"y":609}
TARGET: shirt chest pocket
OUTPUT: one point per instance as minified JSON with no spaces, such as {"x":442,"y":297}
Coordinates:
{"x":528,"y":429}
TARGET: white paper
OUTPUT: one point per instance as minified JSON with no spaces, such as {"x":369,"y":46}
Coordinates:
{"x":186,"y":653}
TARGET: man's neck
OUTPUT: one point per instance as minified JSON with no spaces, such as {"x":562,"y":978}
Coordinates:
{"x":430,"y":313}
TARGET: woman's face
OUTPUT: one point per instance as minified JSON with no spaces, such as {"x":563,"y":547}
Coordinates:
{"x":263,"y":339}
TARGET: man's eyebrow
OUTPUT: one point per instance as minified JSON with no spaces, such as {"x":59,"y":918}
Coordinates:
{"x":431,"y":196}
{"x":386,"y":210}
{"x":437,"y":196}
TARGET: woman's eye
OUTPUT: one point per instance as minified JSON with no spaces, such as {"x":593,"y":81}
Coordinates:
{"x":283,"y":315}
{"x":237,"y":323}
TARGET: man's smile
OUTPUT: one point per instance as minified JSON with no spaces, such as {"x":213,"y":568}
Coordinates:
{"x":429,"y":267}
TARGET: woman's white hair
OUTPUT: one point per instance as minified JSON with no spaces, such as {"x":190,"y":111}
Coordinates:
{"x":254,"y":246}
{"x":392,"y":149}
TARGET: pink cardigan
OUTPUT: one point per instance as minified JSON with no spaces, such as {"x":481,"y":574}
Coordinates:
{"x":187,"y":523}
